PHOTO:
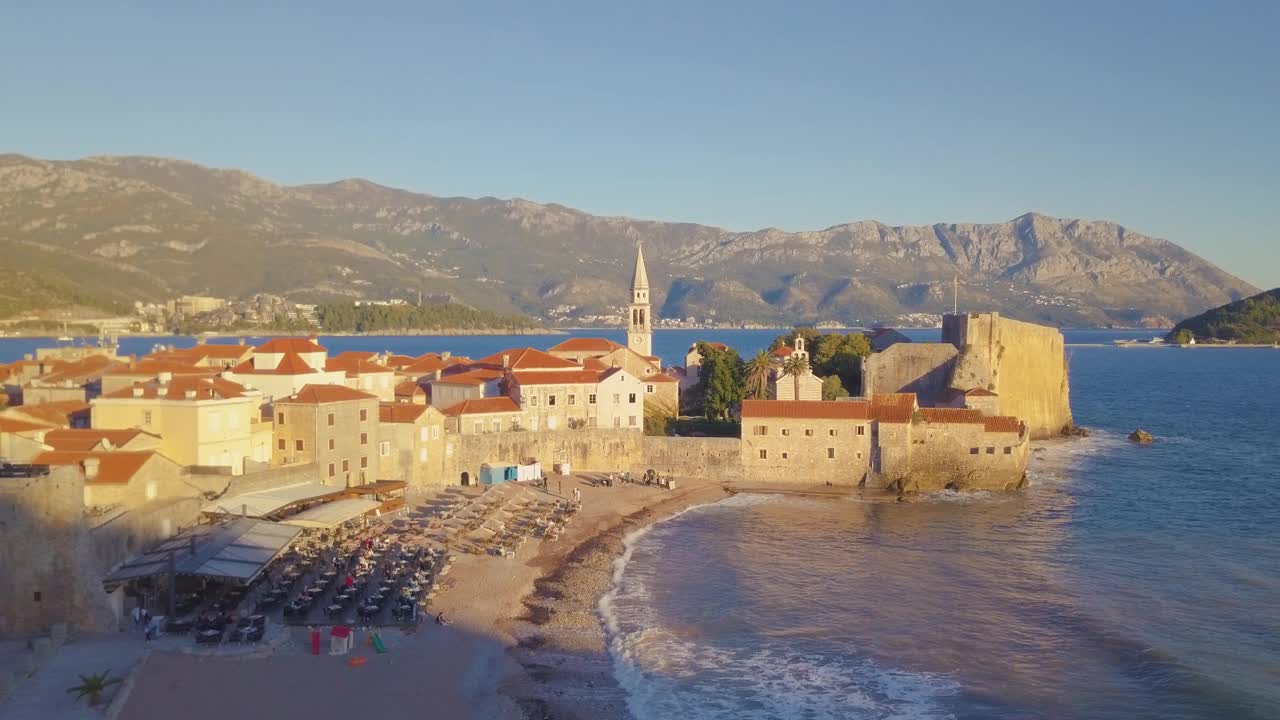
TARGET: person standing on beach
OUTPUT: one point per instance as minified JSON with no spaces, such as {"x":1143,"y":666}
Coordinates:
{"x":560,"y":486}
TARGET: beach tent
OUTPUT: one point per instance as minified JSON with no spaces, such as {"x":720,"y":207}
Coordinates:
{"x":495,"y":473}
{"x":532,"y":471}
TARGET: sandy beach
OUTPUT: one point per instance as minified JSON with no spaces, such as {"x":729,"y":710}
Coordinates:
{"x":524,"y":639}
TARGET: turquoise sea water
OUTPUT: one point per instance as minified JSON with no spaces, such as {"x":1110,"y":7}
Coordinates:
{"x":1126,"y":582}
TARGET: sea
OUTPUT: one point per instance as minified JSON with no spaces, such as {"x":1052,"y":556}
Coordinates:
{"x":1126,"y":582}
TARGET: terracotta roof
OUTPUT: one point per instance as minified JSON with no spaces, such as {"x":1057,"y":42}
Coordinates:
{"x":151,"y":366}
{"x":660,"y":378}
{"x":79,"y":371}
{"x":86,"y":439}
{"x":114,"y":468}
{"x":400,"y":412}
{"x":980,"y":392}
{"x":318,"y":394}
{"x":289,"y":345}
{"x":898,"y":414}
{"x":220,"y":351}
{"x":600,"y":345}
{"x":651,"y":358}
{"x":1001,"y":423}
{"x":408,"y":389}
{"x":594,"y":364}
{"x":10,"y":425}
{"x":483,"y":406}
{"x":396,"y":361}
{"x":557,"y":377}
{"x":355,"y":354}
{"x":784,"y":351}
{"x":290,"y":364}
{"x":57,"y":413}
{"x":477,"y":376}
{"x":907,"y":400}
{"x":951,"y":415}
{"x":527,"y":359}
{"x":213,"y":388}
{"x":807,"y":409}
{"x":354,"y":366}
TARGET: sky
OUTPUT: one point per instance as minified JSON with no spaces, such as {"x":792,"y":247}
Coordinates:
{"x":1162,"y":116}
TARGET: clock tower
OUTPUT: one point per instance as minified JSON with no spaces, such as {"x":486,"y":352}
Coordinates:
{"x":640,"y":320}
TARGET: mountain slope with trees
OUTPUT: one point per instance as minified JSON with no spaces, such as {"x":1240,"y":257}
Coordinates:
{"x":1253,"y":320}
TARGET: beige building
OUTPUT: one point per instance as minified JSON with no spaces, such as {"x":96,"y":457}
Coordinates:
{"x":804,"y":386}
{"x":127,"y":478}
{"x":141,"y":371}
{"x":411,"y":445}
{"x":364,"y":372}
{"x":283,"y":366}
{"x":484,"y":415}
{"x":806,"y":441}
{"x":210,"y":422}
{"x":449,"y":390}
{"x":333,"y":426}
{"x":79,"y":380}
{"x":216,"y":356}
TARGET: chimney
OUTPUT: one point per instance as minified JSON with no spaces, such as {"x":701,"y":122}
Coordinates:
{"x":506,"y":360}
{"x":446,"y":355}
{"x":137,"y":391}
{"x":90,"y":468}
{"x":189,"y":394}
{"x":242,"y":341}
{"x":165,"y":377}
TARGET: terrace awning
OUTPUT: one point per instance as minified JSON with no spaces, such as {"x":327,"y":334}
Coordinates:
{"x":234,"y":550}
{"x":264,"y":503}
{"x":332,"y":514}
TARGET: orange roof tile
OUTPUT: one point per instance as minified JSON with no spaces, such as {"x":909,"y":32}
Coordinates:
{"x":951,"y":415}
{"x":907,"y":400}
{"x":482,"y":406}
{"x":807,"y":409}
{"x":557,"y":377}
{"x":84,"y":440}
{"x":10,"y":425}
{"x":784,"y":351}
{"x":600,"y":345}
{"x":660,"y":378}
{"x":1002,"y":423}
{"x":290,"y":345}
{"x":354,"y":366}
{"x":151,"y":366}
{"x":114,"y":468}
{"x":59,"y":412}
{"x":319,"y":394}
{"x":400,"y":412}
{"x":897,"y":414}
{"x":526,"y":359}
{"x":80,"y":371}
{"x":408,"y":389}
{"x":478,"y":376}
{"x":204,"y":388}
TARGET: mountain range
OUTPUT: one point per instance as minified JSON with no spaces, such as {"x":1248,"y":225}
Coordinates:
{"x":109,"y":231}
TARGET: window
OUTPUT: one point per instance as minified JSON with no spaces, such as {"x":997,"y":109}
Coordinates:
{"x":832,"y":432}
{"x":551,"y":423}
{"x":973,"y":451}
{"x":364,"y":461}
{"x":831,"y":453}
{"x":786,"y":432}
{"x":785,"y":455}
{"x":35,"y":596}
{"x":332,"y":471}
{"x":299,"y":445}
{"x":1008,"y":451}
{"x":533,"y":400}
{"x":764,"y":454}
{"x":479,"y":427}
{"x":591,"y":399}
{"x":808,"y":432}
{"x":631,"y":421}
{"x":435,"y":432}
{"x":384,"y":448}
{"x":422,"y":434}
{"x":572,"y":398}
{"x":422,"y":454}
{"x":146,"y":417}
{"x":497,"y":425}
{"x":551,"y":399}
{"x":331,"y":420}
{"x":281,"y":443}
{"x":862,"y":430}
{"x":648,"y":389}
{"x":760,"y":430}
{"x":617,"y":422}
{"x":364,"y":414}
{"x":364,"y":438}
{"x":346,"y":465}
{"x":331,"y":443}
{"x":991,"y":451}
{"x":859,"y":454}
{"x":632,"y":399}
{"x":617,"y":398}
{"x":279,"y":418}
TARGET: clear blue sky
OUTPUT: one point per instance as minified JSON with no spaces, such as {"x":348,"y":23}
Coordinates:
{"x":1160,"y":115}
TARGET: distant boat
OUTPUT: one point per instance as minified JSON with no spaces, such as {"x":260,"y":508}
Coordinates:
{"x":65,"y":338}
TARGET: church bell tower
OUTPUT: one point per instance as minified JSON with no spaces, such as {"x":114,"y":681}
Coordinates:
{"x":640,"y":320}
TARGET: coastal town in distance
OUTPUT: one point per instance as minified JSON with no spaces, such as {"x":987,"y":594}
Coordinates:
{"x":226,"y":499}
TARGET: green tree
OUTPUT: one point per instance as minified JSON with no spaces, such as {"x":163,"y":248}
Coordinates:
{"x":1182,"y":336}
{"x":795,"y":367}
{"x":721,"y":383}
{"x":832,"y":388}
{"x":757,"y":375}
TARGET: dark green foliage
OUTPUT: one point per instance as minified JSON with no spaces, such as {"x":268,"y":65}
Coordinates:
{"x":1253,"y":320}
{"x":832,"y":354}
{"x":832,"y":388}
{"x":721,"y":381}
{"x":700,"y":427}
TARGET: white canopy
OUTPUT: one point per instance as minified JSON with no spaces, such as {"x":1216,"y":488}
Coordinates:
{"x":262,"y":503}
{"x":332,"y":514}
{"x":234,"y":550}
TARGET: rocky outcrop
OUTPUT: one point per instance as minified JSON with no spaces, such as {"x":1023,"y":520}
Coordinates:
{"x":1141,"y":437}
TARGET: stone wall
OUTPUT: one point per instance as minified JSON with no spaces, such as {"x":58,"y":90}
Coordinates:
{"x":921,"y":368}
{"x":584,"y":449}
{"x":1024,"y":364}
{"x":691,"y":457}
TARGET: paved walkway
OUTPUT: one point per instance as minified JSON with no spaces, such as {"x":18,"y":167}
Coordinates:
{"x":44,"y":695}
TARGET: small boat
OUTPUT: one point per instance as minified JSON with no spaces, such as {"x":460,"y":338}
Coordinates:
{"x":65,"y":338}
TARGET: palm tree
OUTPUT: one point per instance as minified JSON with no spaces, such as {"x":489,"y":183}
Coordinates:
{"x":94,"y":685}
{"x":758,"y":369}
{"x":795,"y":366}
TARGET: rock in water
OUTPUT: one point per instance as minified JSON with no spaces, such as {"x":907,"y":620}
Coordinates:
{"x":1141,"y":436}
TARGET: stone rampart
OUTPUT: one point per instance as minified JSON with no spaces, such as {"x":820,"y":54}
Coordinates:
{"x":692,"y":457}
{"x":920,"y":368}
{"x":584,"y":449}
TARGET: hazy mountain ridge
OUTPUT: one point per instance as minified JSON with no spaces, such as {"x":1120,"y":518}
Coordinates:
{"x":126,"y":228}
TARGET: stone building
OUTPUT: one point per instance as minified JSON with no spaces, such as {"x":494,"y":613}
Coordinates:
{"x":483,"y":416}
{"x":365,"y":372}
{"x":411,"y":444}
{"x":283,"y":366}
{"x":449,"y":390}
{"x":75,"y":381}
{"x":640,"y":316}
{"x":806,"y":441}
{"x":334,"y":427}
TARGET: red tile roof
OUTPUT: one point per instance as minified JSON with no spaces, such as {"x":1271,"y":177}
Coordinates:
{"x":84,"y":440}
{"x":151,"y":366}
{"x":557,"y":377}
{"x":354,"y":366}
{"x":214,"y":388}
{"x":80,"y":371}
{"x":290,"y":364}
{"x":897,"y":414}
{"x":807,"y":409}
{"x":477,"y":376}
{"x":10,"y":425}
{"x":784,"y":351}
{"x":594,"y":364}
{"x":482,"y":406}
{"x":114,"y":468}
{"x":408,"y":389}
{"x":907,"y":400}
{"x":320,"y":394}
{"x":527,"y":359}
{"x":951,"y":415}
{"x":59,"y":412}
{"x":600,"y":345}
{"x":1002,"y":423}
{"x":400,"y":412}
{"x":660,"y":378}
{"x":290,"y":345}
